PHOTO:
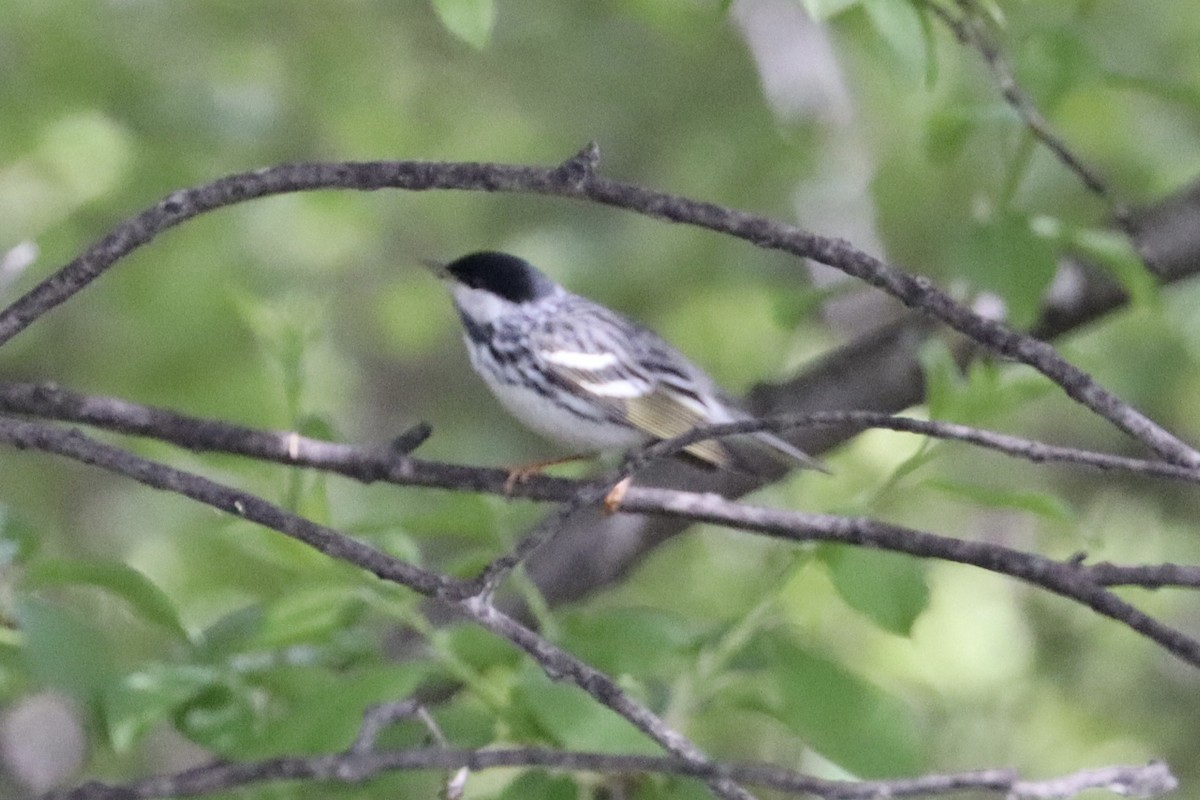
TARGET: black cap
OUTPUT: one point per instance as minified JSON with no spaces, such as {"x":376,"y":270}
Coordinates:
{"x":512,"y":278}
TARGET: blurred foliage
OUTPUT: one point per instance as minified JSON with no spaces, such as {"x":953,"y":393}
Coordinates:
{"x":310,"y":312}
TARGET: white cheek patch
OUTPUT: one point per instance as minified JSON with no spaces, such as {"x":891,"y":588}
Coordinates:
{"x":617,"y":388}
{"x":483,"y":307}
{"x":583,"y":361}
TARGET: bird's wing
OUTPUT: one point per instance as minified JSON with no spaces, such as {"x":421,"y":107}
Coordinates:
{"x":643,"y":381}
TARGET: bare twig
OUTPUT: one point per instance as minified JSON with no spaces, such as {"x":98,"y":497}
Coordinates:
{"x":1069,"y":579}
{"x":387,"y":464}
{"x":1016,"y":446}
{"x":379,"y":718}
{"x":577,"y":178}
{"x":1147,"y":576}
{"x":880,"y":371}
{"x":971,"y":30}
{"x":554,"y":661}
{"x":916,"y":292}
{"x":371,"y":464}
{"x":1066,"y":578}
{"x":1149,"y":780}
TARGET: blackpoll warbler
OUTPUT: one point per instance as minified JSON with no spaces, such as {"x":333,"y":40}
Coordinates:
{"x":580,"y":374}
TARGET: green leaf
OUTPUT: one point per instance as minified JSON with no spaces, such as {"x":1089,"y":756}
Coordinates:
{"x":281,"y":709}
{"x":1113,"y":251}
{"x":542,"y":785}
{"x":929,"y":36}
{"x":146,"y":599}
{"x":635,"y":641}
{"x":792,"y":308}
{"x":899,"y":25}
{"x":986,"y":391}
{"x":943,"y":378}
{"x":287,"y":329}
{"x":231,"y":633}
{"x":947,"y":133}
{"x":1043,"y":504}
{"x":459,"y":515}
{"x":309,"y":614}
{"x":889,"y":589}
{"x":144,"y":699}
{"x":20,"y":540}
{"x":222,"y":716}
{"x":13,"y":672}
{"x":475,"y":648}
{"x":994,"y":12}
{"x":1162,"y":87}
{"x":845,"y":718}
{"x":1007,"y":257}
{"x":821,"y":10}
{"x":88,"y":154}
{"x":63,"y":650}
{"x":1055,"y":63}
{"x":573,"y":719}
{"x":313,"y":709}
{"x":469,"y":20}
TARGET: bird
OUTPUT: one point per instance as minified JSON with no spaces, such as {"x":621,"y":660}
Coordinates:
{"x":581,"y":374}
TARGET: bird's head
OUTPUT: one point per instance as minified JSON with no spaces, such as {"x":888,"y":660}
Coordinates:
{"x":487,"y":285}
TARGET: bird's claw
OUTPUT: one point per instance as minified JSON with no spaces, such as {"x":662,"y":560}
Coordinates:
{"x":518,"y":475}
{"x":524,"y":472}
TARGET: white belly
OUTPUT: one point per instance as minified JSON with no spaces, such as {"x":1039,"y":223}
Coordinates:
{"x":560,"y":424}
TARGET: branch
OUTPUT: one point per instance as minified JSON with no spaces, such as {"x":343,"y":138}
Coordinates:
{"x":1150,"y":780}
{"x":390,"y":464}
{"x":1068,"y":579}
{"x":879,"y":371}
{"x":576,"y":179}
{"x":970,"y":29}
{"x":554,"y":661}
{"x":365,"y":464}
{"x":379,"y":718}
{"x":1016,"y":446}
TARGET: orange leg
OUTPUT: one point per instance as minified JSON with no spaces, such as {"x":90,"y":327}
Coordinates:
{"x":524,"y":472}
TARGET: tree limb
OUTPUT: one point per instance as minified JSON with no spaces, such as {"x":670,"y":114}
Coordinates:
{"x":1149,"y":780}
{"x":576,"y":179}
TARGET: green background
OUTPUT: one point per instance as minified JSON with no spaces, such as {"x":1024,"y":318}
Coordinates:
{"x":311,"y":311}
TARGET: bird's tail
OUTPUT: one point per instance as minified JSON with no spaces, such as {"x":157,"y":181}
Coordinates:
{"x":791,"y":451}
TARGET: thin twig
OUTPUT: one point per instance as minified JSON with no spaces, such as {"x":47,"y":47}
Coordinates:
{"x":1069,"y":579}
{"x":387,"y":464}
{"x":559,"y":664}
{"x":371,"y":464}
{"x":1149,"y":780}
{"x":379,"y":718}
{"x":1016,"y":446}
{"x":1065,"y":578}
{"x":971,"y":30}
{"x":916,"y":292}
{"x":554,"y":661}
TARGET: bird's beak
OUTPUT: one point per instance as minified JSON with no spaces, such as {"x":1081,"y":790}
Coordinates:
{"x":438,"y":268}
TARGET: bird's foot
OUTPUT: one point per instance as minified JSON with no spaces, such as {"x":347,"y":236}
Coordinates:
{"x":522,"y":473}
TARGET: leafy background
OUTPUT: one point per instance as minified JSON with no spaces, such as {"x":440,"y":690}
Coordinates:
{"x":176,"y":632}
